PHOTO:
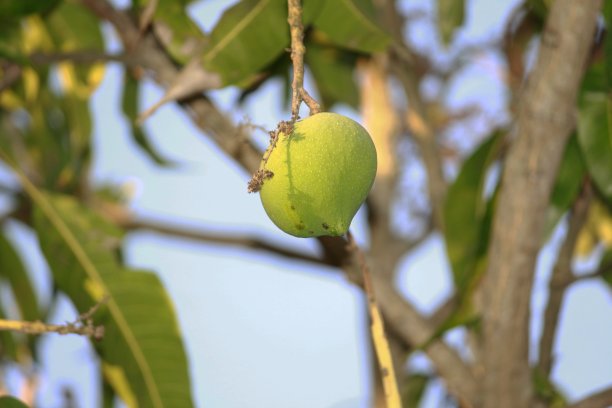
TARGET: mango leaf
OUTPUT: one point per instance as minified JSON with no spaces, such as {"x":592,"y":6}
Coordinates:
{"x":605,"y":266}
{"x":249,"y":36}
{"x":129,"y":105}
{"x":351,"y":24}
{"x":74,"y":28}
{"x":15,"y":9}
{"x":567,"y":185}
{"x":8,"y":343}
{"x":11,"y":402}
{"x":595,"y":138}
{"x":142,"y":352}
{"x":333,"y":72}
{"x":175,"y":29}
{"x":413,"y":389}
{"x":13,"y":270}
{"x":451,"y":14}
{"x":466,"y":214}
{"x":607,"y":12}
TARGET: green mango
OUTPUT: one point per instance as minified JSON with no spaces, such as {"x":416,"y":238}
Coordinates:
{"x":322,"y":172}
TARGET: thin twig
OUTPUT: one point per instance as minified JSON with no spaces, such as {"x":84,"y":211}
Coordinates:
{"x":377,"y":328}
{"x":562,"y":273}
{"x":297,"y":59}
{"x":83,"y":325}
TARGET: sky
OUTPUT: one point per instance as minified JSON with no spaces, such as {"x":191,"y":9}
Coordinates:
{"x":261,"y":331}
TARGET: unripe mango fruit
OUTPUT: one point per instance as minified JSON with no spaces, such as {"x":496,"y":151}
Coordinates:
{"x":322,"y":173}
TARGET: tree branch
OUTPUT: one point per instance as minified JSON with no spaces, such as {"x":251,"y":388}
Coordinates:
{"x":136,"y":224}
{"x":544,"y":122}
{"x":298,"y":50}
{"x":601,"y":399}
{"x":562,"y":274}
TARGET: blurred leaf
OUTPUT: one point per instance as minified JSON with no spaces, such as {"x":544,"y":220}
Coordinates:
{"x":8,"y":344}
{"x":451,"y":14}
{"x":413,"y":389}
{"x":333,"y":72}
{"x":567,"y":185}
{"x":547,"y":391}
{"x":129,"y":105}
{"x":595,"y":138}
{"x":352,"y":24}
{"x":74,"y":28}
{"x":595,"y":78}
{"x":466,"y":212}
{"x":142,"y":350}
{"x":249,"y":36}
{"x":11,"y":402}
{"x":607,"y":12}
{"x":605,"y":266}
{"x":15,"y":9}
{"x":13,"y":270}
{"x":175,"y":29}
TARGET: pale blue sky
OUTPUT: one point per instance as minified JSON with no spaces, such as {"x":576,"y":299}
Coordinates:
{"x":261,"y":331}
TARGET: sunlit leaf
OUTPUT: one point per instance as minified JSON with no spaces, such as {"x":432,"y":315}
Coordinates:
{"x":13,"y":270}
{"x":174,"y":27}
{"x":74,"y":28}
{"x":333,"y":72}
{"x":129,"y":105}
{"x":595,"y":138}
{"x":142,"y":342}
{"x":352,"y":24}
{"x":451,"y":14}
{"x":249,"y":36}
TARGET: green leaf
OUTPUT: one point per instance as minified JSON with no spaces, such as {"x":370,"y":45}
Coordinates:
{"x":175,"y":29}
{"x":15,"y":9}
{"x":248,"y":37}
{"x":413,"y":389}
{"x":568,"y":182}
{"x":467,"y":213}
{"x":142,"y":352}
{"x":13,"y":270}
{"x":351,"y":24}
{"x":451,"y":14}
{"x":11,"y":402}
{"x":8,"y":344}
{"x":333,"y":72}
{"x":595,"y":138}
{"x":605,"y":265}
{"x":129,"y":104}
{"x":73,"y":28}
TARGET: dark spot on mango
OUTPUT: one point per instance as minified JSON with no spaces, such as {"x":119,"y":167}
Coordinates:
{"x":300,"y":226}
{"x":292,"y":207}
{"x":325,"y":225}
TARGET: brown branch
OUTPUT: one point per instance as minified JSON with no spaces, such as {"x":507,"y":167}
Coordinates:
{"x":545,"y":120}
{"x":601,"y":399}
{"x":82,"y":326}
{"x":140,"y":224}
{"x":297,"y":59}
{"x":561,"y":275}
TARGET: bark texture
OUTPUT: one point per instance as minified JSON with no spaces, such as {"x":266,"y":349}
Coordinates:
{"x":545,"y":120}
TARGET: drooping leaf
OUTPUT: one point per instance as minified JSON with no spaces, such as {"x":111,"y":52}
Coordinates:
{"x":466,"y":214}
{"x":73,"y":28}
{"x":352,"y":24}
{"x":451,"y":14}
{"x":15,"y":9}
{"x":595,"y":138}
{"x":11,"y":402}
{"x":175,"y":29}
{"x":129,"y":105}
{"x":333,"y":72}
{"x":249,"y":36}
{"x":142,"y":352}
{"x":413,"y":389}
{"x":568,"y":182}
{"x":13,"y":270}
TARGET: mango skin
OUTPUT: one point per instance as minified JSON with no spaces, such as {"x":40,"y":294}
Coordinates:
{"x":323,"y":172}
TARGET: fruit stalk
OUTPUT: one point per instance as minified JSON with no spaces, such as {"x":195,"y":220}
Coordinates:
{"x":298,"y":50}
